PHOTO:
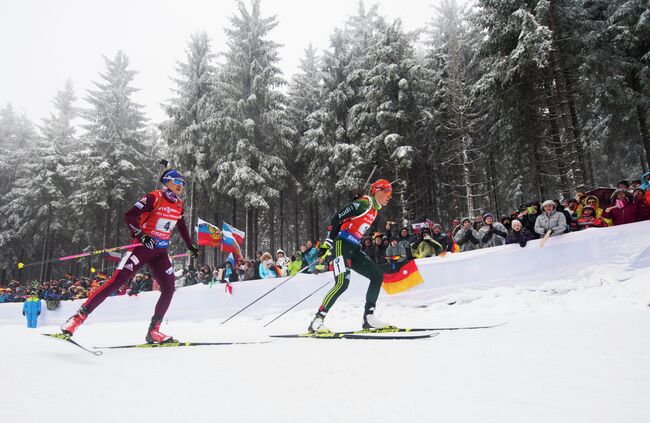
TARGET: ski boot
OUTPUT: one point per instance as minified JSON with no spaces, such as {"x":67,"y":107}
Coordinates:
{"x":71,"y":325}
{"x":316,"y":325}
{"x":373,"y":324}
{"x":154,"y":336}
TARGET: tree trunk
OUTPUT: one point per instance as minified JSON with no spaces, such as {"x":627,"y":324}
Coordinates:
{"x":576,"y":163}
{"x":271,"y":213}
{"x":642,"y":113}
{"x":282,"y":219}
{"x":45,"y":241}
{"x":118,"y":223}
{"x":233,"y":218}
{"x":107,"y":221}
{"x":256,"y":226}
{"x":558,"y":148}
{"x":467,"y":177}
{"x":249,"y":233}
{"x":296,"y":224}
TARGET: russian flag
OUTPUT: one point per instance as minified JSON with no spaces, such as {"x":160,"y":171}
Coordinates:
{"x":236,"y":233}
{"x":228,"y":242}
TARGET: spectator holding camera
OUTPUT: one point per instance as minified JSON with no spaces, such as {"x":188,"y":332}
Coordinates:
{"x":519,"y":234}
{"x":467,"y":237}
{"x":267,"y":267}
{"x":623,"y":210}
{"x":492,"y":234}
{"x":550,"y":220}
{"x":425,"y":246}
{"x":441,"y":238}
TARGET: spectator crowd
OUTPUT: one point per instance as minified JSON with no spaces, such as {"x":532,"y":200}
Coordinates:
{"x":628,"y":203}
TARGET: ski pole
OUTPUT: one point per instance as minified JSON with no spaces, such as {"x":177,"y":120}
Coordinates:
{"x":297,"y":304}
{"x":267,"y":293}
{"x":75,"y":256}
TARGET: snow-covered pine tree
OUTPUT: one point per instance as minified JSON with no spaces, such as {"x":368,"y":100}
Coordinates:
{"x":37,"y":212}
{"x":17,"y":137}
{"x":252,"y":123}
{"x":192,"y":145}
{"x":112,"y":173}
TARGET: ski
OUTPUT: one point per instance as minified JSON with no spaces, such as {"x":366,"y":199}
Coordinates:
{"x":180,"y":344}
{"x":64,"y":337}
{"x":354,"y":335}
{"x":402,"y":330}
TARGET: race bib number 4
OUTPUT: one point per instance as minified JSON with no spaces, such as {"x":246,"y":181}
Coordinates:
{"x":339,"y":265}
{"x":165,"y":225}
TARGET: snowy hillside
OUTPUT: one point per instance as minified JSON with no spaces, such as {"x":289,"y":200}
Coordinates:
{"x":575,"y":349}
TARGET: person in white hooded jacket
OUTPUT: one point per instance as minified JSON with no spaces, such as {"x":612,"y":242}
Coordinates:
{"x":550,"y":220}
{"x":282,"y":262}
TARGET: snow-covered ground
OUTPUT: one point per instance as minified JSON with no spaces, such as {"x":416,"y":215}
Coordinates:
{"x":569,"y":353}
{"x":575,"y":349}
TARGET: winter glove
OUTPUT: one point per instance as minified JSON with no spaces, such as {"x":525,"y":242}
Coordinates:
{"x":522,"y":243}
{"x":194,"y":252}
{"x":39,"y":313}
{"x":487,"y":236}
{"x":23,"y":313}
{"x":145,"y":239}
{"x":327,"y":245}
{"x":501,"y":234}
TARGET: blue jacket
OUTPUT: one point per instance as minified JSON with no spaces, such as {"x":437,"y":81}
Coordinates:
{"x":311,"y":257}
{"x":32,"y":306}
{"x":266,"y":273}
{"x":645,"y":185}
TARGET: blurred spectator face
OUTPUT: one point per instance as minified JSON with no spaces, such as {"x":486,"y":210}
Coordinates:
{"x":573,"y":204}
{"x":635,"y":184}
{"x":516,"y":225}
{"x":588,"y":211}
{"x":377,"y":240}
{"x":620,"y":196}
{"x":404,"y":233}
{"x":565,"y":203}
{"x":367,"y":242}
{"x":549,"y":208}
{"x":622,"y":186}
{"x":467,"y":224}
{"x":393,"y":242}
{"x":309,"y":244}
{"x":436,"y":230}
{"x":639,"y":194}
{"x":280,"y":255}
{"x":303,"y":248}
{"x":489,"y":220}
{"x":592,"y":202}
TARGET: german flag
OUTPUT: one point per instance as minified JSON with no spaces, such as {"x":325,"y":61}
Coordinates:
{"x":101,"y":275}
{"x":404,"y":279}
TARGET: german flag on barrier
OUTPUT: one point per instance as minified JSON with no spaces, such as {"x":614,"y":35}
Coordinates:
{"x":404,"y":279}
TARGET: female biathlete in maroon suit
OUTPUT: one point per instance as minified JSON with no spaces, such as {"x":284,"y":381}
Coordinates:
{"x":151,"y":221}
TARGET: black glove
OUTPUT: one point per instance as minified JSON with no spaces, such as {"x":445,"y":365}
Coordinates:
{"x":145,"y":239}
{"x":194,"y":252}
{"x":23,"y":313}
{"x":39,"y":313}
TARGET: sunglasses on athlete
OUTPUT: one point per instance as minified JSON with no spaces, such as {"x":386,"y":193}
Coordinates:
{"x":177,"y":181}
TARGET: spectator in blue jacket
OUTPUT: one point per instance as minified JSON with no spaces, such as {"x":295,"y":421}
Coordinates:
{"x":32,"y":309}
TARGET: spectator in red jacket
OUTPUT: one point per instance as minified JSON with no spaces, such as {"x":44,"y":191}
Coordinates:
{"x":589,"y":219}
{"x":642,"y":206}
{"x":624,"y":209}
